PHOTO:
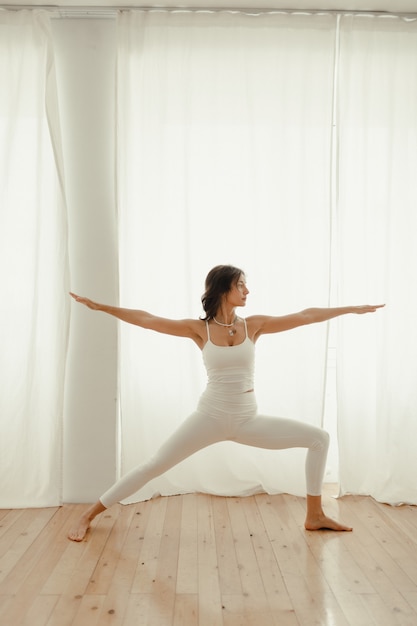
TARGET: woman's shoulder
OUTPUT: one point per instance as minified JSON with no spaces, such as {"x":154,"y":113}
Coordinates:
{"x":254,"y":324}
{"x":256,"y":320}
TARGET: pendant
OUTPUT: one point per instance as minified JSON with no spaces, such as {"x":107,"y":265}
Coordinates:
{"x":232,"y":332}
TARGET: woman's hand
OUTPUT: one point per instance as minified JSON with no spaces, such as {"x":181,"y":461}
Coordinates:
{"x":89,"y":303}
{"x":366,"y":308}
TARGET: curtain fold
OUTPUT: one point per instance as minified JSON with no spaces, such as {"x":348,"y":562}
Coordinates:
{"x":224,"y":143}
{"x":377,"y":222}
{"x":33,"y":265}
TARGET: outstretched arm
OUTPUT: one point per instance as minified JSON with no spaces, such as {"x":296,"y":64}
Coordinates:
{"x":263,"y":324}
{"x":181,"y":328}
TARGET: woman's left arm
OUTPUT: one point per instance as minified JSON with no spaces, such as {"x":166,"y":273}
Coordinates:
{"x":264,"y":324}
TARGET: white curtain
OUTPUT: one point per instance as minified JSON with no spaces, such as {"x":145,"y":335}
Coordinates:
{"x":33,"y":266}
{"x":224,"y":136}
{"x":377,"y":217}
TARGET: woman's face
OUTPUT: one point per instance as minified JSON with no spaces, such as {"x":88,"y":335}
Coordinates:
{"x":238,"y":293}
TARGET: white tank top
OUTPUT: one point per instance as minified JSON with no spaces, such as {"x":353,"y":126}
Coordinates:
{"x":230,"y":368}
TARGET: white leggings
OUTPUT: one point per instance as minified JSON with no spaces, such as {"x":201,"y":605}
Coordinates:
{"x":232,"y":419}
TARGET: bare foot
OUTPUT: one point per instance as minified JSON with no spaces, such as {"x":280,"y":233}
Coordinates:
{"x":322,"y":522}
{"x":77,"y":533}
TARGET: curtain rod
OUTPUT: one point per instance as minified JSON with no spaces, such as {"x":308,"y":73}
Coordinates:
{"x":64,"y":11}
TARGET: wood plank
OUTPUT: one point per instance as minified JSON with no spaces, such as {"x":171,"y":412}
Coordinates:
{"x":27,"y":578}
{"x":388,"y":578}
{"x":187,"y":576}
{"x":137,"y":609}
{"x":8,"y":521}
{"x":6,"y":602}
{"x":40,"y":611}
{"x":390,"y":595}
{"x":116,"y":603}
{"x":61,"y":574}
{"x":163,"y":592}
{"x":16,"y":543}
{"x":5,"y":512}
{"x":89,"y":610}
{"x":368,"y":543}
{"x":234,"y":610}
{"x":411,"y":597}
{"x":392,"y":545}
{"x":147,"y":563}
{"x":229,"y":575}
{"x":273,"y":582}
{"x":384,"y":615}
{"x":186,"y":610}
{"x":254,"y":598}
{"x":103,"y":574}
{"x":210,"y":603}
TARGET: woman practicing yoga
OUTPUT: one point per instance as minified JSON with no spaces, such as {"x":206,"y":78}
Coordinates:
{"x":227,"y":408}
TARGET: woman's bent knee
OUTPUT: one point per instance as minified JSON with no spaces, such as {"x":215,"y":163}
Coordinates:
{"x":321,"y":441}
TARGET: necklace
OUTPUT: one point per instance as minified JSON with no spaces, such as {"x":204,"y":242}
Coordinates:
{"x":232,"y":331}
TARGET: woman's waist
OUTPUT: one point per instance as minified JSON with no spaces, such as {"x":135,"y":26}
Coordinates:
{"x":229,"y":400}
{"x":230,"y":387}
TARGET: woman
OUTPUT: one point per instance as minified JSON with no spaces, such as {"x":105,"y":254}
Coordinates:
{"x":227,"y":409}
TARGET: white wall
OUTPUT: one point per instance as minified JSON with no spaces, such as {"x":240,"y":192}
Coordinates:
{"x":85,"y":53}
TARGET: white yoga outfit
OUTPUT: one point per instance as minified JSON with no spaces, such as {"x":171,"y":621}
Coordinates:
{"x":227,"y":411}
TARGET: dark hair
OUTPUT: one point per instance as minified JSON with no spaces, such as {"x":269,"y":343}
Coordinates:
{"x":219,"y":281}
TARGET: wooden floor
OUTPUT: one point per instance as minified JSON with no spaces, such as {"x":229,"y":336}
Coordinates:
{"x":201,"y":560}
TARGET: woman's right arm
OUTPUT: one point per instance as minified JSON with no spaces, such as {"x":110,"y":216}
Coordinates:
{"x":190,"y":328}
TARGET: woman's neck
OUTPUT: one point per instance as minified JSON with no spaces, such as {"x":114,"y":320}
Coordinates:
{"x":226,"y":316}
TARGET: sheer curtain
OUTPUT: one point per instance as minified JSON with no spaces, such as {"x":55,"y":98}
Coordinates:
{"x":33,"y":266}
{"x":224,"y":135}
{"x":377,"y":371}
